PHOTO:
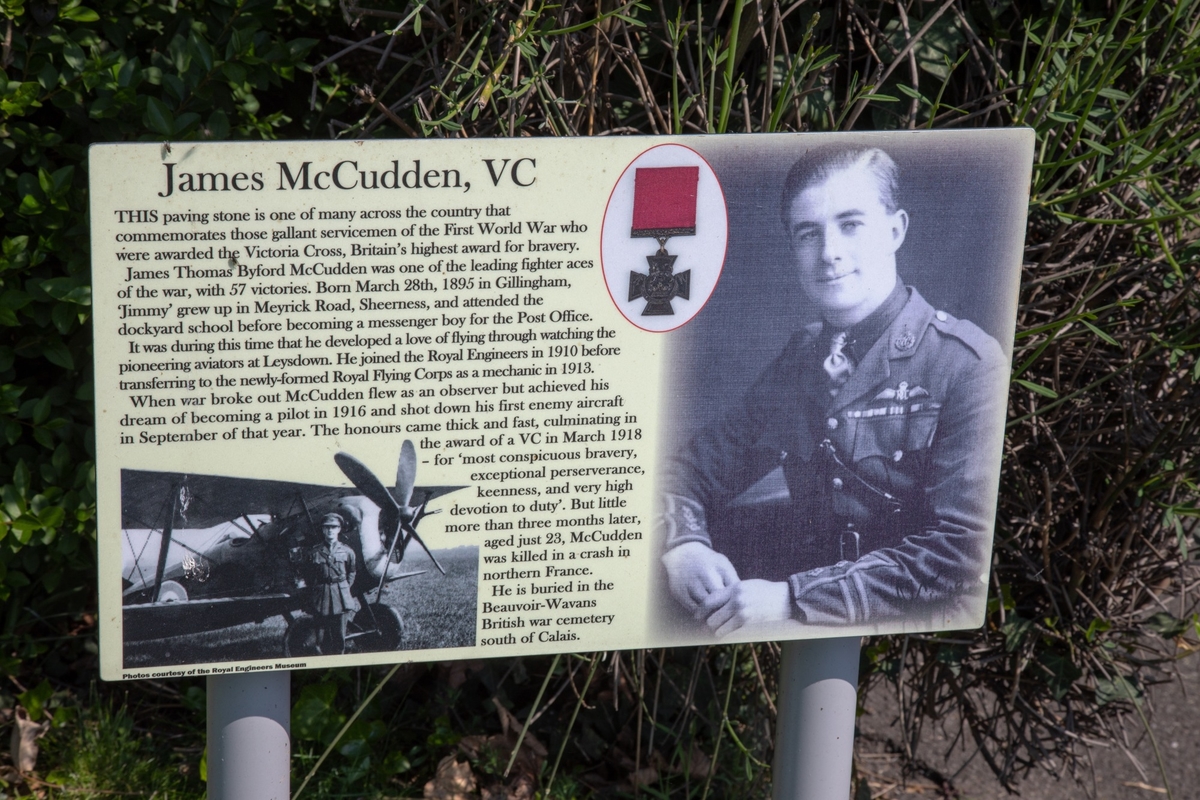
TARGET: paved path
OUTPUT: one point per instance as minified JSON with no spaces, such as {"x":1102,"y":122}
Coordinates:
{"x":1111,"y":775}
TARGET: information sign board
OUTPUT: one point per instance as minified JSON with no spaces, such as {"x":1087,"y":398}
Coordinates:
{"x":361,"y":402}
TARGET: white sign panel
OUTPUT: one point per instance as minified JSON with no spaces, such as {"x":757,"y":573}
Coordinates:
{"x":367,"y":402}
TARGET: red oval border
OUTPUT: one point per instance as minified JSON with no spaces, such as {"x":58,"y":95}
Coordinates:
{"x":724,"y":255}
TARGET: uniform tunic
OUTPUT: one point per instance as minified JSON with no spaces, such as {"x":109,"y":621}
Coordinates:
{"x":890,"y":483}
{"x":330,"y":574}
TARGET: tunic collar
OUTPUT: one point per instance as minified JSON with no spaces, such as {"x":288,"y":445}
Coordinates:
{"x":899,"y":340}
{"x":861,"y":336}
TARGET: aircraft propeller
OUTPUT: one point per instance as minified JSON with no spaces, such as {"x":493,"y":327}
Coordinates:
{"x":373,"y":489}
{"x":406,"y":474}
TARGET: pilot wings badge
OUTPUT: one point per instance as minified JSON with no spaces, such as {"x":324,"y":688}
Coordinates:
{"x":902,"y":393}
{"x":664,"y":205}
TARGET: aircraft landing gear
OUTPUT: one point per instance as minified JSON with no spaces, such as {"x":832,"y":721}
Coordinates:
{"x":379,"y":628}
{"x":375,"y":628}
{"x":301,"y":639}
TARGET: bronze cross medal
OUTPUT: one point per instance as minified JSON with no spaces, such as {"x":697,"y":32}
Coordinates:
{"x":664,"y":205}
{"x":661,"y":285}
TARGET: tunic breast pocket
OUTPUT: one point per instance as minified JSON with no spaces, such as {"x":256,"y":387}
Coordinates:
{"x":895,"y":438}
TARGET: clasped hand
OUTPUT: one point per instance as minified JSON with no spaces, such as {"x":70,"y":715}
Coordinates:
{"x":707,"y":585}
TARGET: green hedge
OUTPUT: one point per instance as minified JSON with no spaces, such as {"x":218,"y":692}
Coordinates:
{"x":73,"y":75}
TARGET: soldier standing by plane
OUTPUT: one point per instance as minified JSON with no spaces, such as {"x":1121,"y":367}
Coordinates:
{"x":329,"y":573}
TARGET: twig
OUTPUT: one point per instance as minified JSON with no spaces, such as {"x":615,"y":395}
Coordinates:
{"x":881,"y":79}
{"x":351,"y":48}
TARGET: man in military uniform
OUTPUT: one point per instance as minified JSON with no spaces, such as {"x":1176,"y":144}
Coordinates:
{"x":330,"y":574}
{"x":885,"y":419}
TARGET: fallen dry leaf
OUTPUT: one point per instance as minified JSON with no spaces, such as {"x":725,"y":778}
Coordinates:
{"x":455,"y":673}
{"x":699,"y":764}
{"x":25,"y":734}
{"x":643,"y":777}
{"x":508,"y":723}
{"x":453,"y":781}
{"x":521,"y":782}
{"x":522,"y":788}
{"x":529,"y":759}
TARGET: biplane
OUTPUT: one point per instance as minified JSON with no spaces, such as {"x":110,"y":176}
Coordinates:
{"x":208,"y":552}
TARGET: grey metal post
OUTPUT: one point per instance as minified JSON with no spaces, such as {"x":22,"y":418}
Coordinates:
{"x":249,"y":736}
{"x":814,"y":743}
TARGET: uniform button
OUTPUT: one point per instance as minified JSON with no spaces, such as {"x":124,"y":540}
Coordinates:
{"x":831,"y":423}
{"x":837,"y":483}
{"x":896,"y":456}
{"x":942,"y":316}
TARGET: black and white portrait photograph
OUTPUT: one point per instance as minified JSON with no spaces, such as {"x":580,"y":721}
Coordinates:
{"x":833,"y":419}
{"x":222,"y":569}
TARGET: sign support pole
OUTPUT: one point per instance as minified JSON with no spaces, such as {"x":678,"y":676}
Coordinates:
{"x":249,"y":736}
{"x":818,"y":695}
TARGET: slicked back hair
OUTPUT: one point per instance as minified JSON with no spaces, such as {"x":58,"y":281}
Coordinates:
{"x":815,"y":167}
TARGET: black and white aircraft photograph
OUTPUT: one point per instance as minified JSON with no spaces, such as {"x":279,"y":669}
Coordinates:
{"x":221,"y":569}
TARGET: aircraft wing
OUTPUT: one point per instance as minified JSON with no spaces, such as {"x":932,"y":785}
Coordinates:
{"x":207,"y":500}
{"x":424,"y":494}
{"x":159,"y":620}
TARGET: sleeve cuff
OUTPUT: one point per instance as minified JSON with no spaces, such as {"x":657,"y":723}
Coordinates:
{"x":834,"y":595}
{"x":682,"y":521}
